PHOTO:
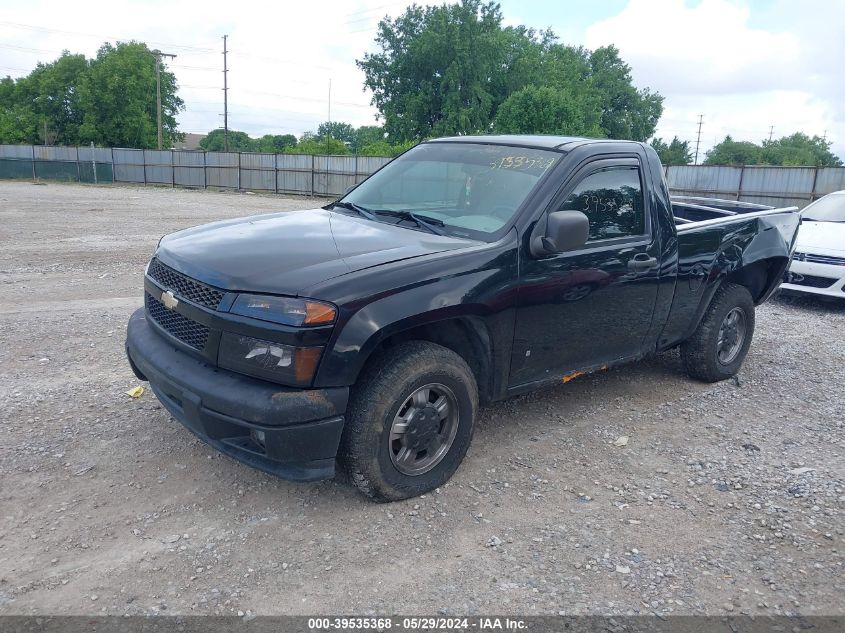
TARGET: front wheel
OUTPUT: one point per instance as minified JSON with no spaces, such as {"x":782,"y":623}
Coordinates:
{"x":409,"y":422}
{"x":718,"y":347}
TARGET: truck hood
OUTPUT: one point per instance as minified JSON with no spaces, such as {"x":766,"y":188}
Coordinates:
{"x":821,"y":238}
{"x":285,"y":253}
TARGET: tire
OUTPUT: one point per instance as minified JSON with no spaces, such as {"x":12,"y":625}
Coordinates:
{"x":387,"y":463}
{"x":703,"y":356}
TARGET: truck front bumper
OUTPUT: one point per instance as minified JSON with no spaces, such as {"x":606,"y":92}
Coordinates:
{"x":290,"y":433}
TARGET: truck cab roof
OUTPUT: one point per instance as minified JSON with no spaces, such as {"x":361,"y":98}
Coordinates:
{"x":539,"y":141}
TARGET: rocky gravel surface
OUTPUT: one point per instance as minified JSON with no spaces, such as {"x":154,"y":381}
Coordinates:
{"x":628,"y":492}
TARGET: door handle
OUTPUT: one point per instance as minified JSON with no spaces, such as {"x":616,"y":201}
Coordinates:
{"x":641,"y":261}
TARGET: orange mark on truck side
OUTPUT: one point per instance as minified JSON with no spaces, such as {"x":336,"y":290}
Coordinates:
{"x":573,"y":376}
{"x":578,"y":374}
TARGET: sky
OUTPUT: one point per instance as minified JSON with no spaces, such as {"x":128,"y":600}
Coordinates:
{"x":750,"y":67}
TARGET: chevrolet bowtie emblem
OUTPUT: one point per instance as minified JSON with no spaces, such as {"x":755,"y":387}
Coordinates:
{"x":169,"y":300}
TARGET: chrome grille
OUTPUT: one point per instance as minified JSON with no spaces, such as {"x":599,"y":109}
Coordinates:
{"x":819,"y":259}
{"x":183,"y":286}
{"x":186,"y":330}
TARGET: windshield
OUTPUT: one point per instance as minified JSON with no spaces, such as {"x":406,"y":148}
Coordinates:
{"x":828,"y":209}
{"x":473,"y":190}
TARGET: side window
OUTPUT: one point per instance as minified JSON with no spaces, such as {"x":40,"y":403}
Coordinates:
{"x":612,"y":199}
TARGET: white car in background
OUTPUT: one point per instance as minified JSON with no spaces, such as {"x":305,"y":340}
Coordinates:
{"x":818,"y":264}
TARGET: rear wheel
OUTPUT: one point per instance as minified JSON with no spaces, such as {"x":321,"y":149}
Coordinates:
{"x":718,"y":347}
{"x":410,"y":421}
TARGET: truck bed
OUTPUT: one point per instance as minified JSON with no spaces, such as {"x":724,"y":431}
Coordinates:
{"x":714,"y":238}
{"x":690,"y":209}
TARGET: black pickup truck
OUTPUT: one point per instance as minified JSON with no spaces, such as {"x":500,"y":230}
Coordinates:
{"x":367,"y":332}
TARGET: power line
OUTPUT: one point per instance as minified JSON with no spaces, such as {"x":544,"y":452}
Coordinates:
{"x":32,"y":27}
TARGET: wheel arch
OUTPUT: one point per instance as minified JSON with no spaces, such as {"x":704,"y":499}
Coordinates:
{"x":761,"y":277}
{"x":467,"y":335}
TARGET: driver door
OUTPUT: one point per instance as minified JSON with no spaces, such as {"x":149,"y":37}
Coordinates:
{"x":594,"y":305}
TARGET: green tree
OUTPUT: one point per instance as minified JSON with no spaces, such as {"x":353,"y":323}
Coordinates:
{"x":677,"y":152}
{"x":731,"y":152}
{"x":433,"y":73}
{"x":275,"y":143}
{"x":117,"y":98}
{"x":110,"y":100}
{"x":367,"y":135}
{"x":310,"y":144}
{"x":18,"y":121}
{"x":337,"y":129}
{"x":448,"y":69}
{"x":53,"y":91}
{"x":800,"y":149}
{"x":384,"y":148}
{"x":626,"y":113}
{"x":545,"y":110}
{"x":238,"y":142}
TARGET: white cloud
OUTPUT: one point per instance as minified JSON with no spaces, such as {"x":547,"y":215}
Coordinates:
{"x":708,"y":59}
{"x":282,"y":55}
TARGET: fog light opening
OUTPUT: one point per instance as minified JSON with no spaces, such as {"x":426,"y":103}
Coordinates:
{"x":258,"y":437}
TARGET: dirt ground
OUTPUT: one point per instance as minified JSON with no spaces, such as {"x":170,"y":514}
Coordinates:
{"x":726,"y":498}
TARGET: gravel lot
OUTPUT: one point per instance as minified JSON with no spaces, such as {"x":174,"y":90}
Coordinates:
{"x":726,"y":498}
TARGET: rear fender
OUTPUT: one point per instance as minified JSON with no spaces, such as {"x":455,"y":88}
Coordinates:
{"x":755,"y":255}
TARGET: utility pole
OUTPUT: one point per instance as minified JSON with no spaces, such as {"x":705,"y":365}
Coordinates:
{"x":329,"y":130}
{"x":225,"y":96}
{"x":698,"y":139}
{"x":159,"y":55}
{"x":771,"y":131}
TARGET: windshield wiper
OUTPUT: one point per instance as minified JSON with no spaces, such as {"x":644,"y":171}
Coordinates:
{"x":355,"y":207}
{"x":424,"y":221}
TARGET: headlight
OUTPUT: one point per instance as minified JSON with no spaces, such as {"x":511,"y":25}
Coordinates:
{"x":276,"y":362}
{"x":284,"y":310}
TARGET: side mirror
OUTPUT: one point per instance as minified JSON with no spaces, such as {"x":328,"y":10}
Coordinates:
{"x":565,"y":231}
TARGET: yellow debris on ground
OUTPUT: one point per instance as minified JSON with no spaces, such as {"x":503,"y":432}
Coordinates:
{"x":135,"y":392}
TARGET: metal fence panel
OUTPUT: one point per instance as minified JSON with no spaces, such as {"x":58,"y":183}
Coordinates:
{"x":16,"y":151}
{"x":189,"y":168}
{"x":222,"y":177}
{"x":770,"y":180}
{"x":98,"y":154}
{"x":258,"y":171}
{"x":298,"y":182}
{"x":222,"y":159}
{"x":159,"y":165}
{"x":830,"y":179}
{"x":129,"y":165}
{"x":50,"y":152}
{"x":333,"y":175}
{"x":368,"y":165}
{"x":703,"y":178}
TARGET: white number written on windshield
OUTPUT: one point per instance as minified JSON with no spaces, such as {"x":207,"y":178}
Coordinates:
{"x":527,"y":163}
